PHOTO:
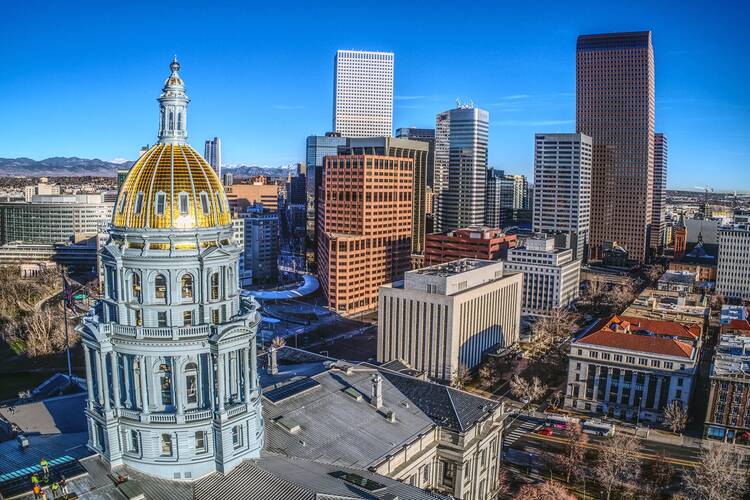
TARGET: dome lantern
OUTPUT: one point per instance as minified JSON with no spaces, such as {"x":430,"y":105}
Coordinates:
{"x":173,"y":108}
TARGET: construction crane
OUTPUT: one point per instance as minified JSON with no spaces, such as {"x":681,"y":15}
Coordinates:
{"x":706,"y":190}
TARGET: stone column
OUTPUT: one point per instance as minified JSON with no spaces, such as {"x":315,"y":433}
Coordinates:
{"x":177,"y":383}
{"x":253,"y":366}
{"x":102,"y":362}
{"x":220,"y":378}
{"x":89,"y":376}
{"x":211,"y":381}
{"x":99,"y":377}
{"x":246,"y":368}
{"x":115,"y":380}
{"x":144,"y":388}
{"x":127,"y":379}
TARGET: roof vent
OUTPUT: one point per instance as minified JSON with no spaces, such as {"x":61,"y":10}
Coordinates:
{"x":353,"y":393}
{"x":288,"y":424}
{"x":390,"y":415}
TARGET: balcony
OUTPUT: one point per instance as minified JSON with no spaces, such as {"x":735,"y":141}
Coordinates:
{"x":167,"y":418}
{"x":168,"y":332}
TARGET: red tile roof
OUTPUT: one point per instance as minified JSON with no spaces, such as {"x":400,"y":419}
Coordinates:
{"x":620,"y":332}
{"x":737,"y":324}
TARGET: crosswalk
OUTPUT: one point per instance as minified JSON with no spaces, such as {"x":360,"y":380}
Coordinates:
{"x":516,"y":432}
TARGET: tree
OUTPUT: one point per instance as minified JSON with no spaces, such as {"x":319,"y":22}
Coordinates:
{"x":718,"y":475}
{"x":548,"y":490}
{"x":278,"y":342}
{"x":487,"y":374}
{"x":461,"y":377}
{"x":617,"y":463}
{"x":42,"y":332}
{"x":675,"y":416}
{"x":571,"y":461}
{"x":653,"y":273}
{"x":556,"y":399}
{"x":502,"y":487}
{"x":527,"y":391}
{"x":558,"y":323}
{"x":621,"y":296}
{"x":657,"y":475}
{"x":595,"y":292}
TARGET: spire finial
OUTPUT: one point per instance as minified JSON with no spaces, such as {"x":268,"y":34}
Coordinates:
{"x":175,"y":66}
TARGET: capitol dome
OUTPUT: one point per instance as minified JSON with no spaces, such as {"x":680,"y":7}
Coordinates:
{"x":171,"y":186}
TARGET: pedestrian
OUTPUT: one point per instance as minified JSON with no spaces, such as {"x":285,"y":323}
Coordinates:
{"x":64,"y":486}
{"x":34,"y":479}
{"x":37,"y":491}
{"x":55,"y":489}
{"x":45,"y":466}
{"x":44,"y":495}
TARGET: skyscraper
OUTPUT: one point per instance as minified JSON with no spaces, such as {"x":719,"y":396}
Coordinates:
{"x":460,"y":167}
{"x":504,"y":194}
{"x":660,"y":192}
{"x":615,"y":107}
{"x":562,"y":187}
{"x":363,"y":93}
{"x":212,"y":154}
{"x":364,"y":227}
{"x":426,"y":135}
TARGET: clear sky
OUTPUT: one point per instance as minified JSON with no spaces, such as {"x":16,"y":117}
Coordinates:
{"x":81,"y":78}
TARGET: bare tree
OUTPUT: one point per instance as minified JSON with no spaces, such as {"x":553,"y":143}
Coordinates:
{"x":502,"y":487}
{"x":621,"y":296}
{"x":278,"y":342}
{"x":653,"y":273}
{"x":571,"y":461}
{"x":675,"y":416}
{"x":617,"y":463}
{"x":656,"y":475}
{"x":43,"y":332}
{"x":556,"y":399}
{"x":487,"y":374}
{"x":718,"y":476}
{"x":595,"y":292}
{"x":527,"y":391}
{"x":461,"y":377}
{"x":548,"y":490}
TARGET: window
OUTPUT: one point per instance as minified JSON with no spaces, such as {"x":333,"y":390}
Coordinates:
{"x":237,"y":436}
{"x":138,"y":319}
{"x":618,"y":357}
{"x":425,"y":472}
{"x":679,"y":381}
{"x":218,"y":202}
{"x":187,"y":286}
{"x":161,"y":201}
{"x":200,"y":442}
{"x":204,"y":203}
{"x":184,"y":204}
{"x":449,"y":473}
{"x":123,"y":202}
{"x":165,"y":383}
{"x":215,"y":286}
{"x":160,"y":288}
{"x":191,"y":383}
{"x":162,"y":318}
{"x":630,"y":359}
{"x":215,"y":316}
{"x":135,"y":287}
{"x":138,"y":203}
{"x":134,"y":445}
{"x":187,"y":318}
{"x":668,"y":365}
{"x":166,"y":445}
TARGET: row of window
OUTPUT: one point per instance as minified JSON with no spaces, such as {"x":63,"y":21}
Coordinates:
{"x":160,"y":202}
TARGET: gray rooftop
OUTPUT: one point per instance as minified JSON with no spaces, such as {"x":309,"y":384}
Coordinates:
{"x":454,"y":267}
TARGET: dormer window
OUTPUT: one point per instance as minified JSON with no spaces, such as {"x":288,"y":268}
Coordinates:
{"x":204,"y":203}
{"x":218,"y":202}
{"x":184,"y":203}
{"x":138,"y":203}
{"x":161,"y":202}
{"x":123,"y":201}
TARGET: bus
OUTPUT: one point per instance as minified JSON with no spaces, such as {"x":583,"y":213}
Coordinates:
{"x":556,"y":421}
{"x":598,"y":427}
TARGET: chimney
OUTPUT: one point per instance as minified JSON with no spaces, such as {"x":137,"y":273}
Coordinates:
{"x":273,"y":366}
{"x":377,"y":391}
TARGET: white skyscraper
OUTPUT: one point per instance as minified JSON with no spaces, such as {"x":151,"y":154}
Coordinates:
{"x":213,"y":154}
{"x":733,"y":273}
{"x":562,"y":187}
{"x":363,"y":94}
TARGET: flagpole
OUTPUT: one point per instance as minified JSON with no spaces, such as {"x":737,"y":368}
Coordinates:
{"x":66,"y":292}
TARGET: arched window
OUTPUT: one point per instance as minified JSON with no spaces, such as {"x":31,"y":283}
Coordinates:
{"x":191,"y":383}
{"x":163,"y":119}
{"x":187,"y":286}
{"x":179,"y":121}
{"x":171,"y":121}
{"x":164,"y":377}
{"x":137,"y":383}
{"x":135,"y":287}
{"x":160,"y":289}
{"x":214,"y":286}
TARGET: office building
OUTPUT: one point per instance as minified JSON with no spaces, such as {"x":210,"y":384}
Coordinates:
{"x":51,"y":219}
{"x":615,"y":107}
{"x":425,"y":135}
{"x":461,"y":136}
{"x":364,"y":227}
{"x":659,"y":208}
{"x":212,"y":154}
{"x":446,"y":316}
{"x":363,"y":93}
{"x":317,"y":147}
{"x":551,"y":276}
{"x":243,"y":195}
{"x":505,"y":194}
{"x":261,"y":244}
{"x":728,"y":415}
{"x":401,"y":148}
{"x":632,"y":368}
{"x":170,"y":353}
{"x":42,"y":188}
{"x":733,"y":269}
{"x":469,"y":243}
{"x":562,"y":187}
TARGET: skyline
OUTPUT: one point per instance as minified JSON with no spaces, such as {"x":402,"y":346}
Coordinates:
{"x":520,"y":67}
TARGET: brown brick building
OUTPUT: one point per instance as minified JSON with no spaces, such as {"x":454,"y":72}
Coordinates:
{"x":365,"y":225}
{"x":471,"y":243}
{"x":615,"y":107}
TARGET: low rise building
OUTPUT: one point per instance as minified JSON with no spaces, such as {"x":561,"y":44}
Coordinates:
{"x":731,"y":312}
{"x":632,"y":368}
{"x":728,"y":415}
{"x":448,"y":315}
{"x":677,"y":281}
{"x":469,"y":243}
{"x":666,"y":305}
{"x":551,"y":277}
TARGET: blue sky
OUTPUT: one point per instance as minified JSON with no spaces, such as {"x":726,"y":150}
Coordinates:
{"x":81,"y":79}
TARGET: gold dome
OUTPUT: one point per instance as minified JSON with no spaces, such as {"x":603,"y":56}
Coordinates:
{"x":171,"y":186}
